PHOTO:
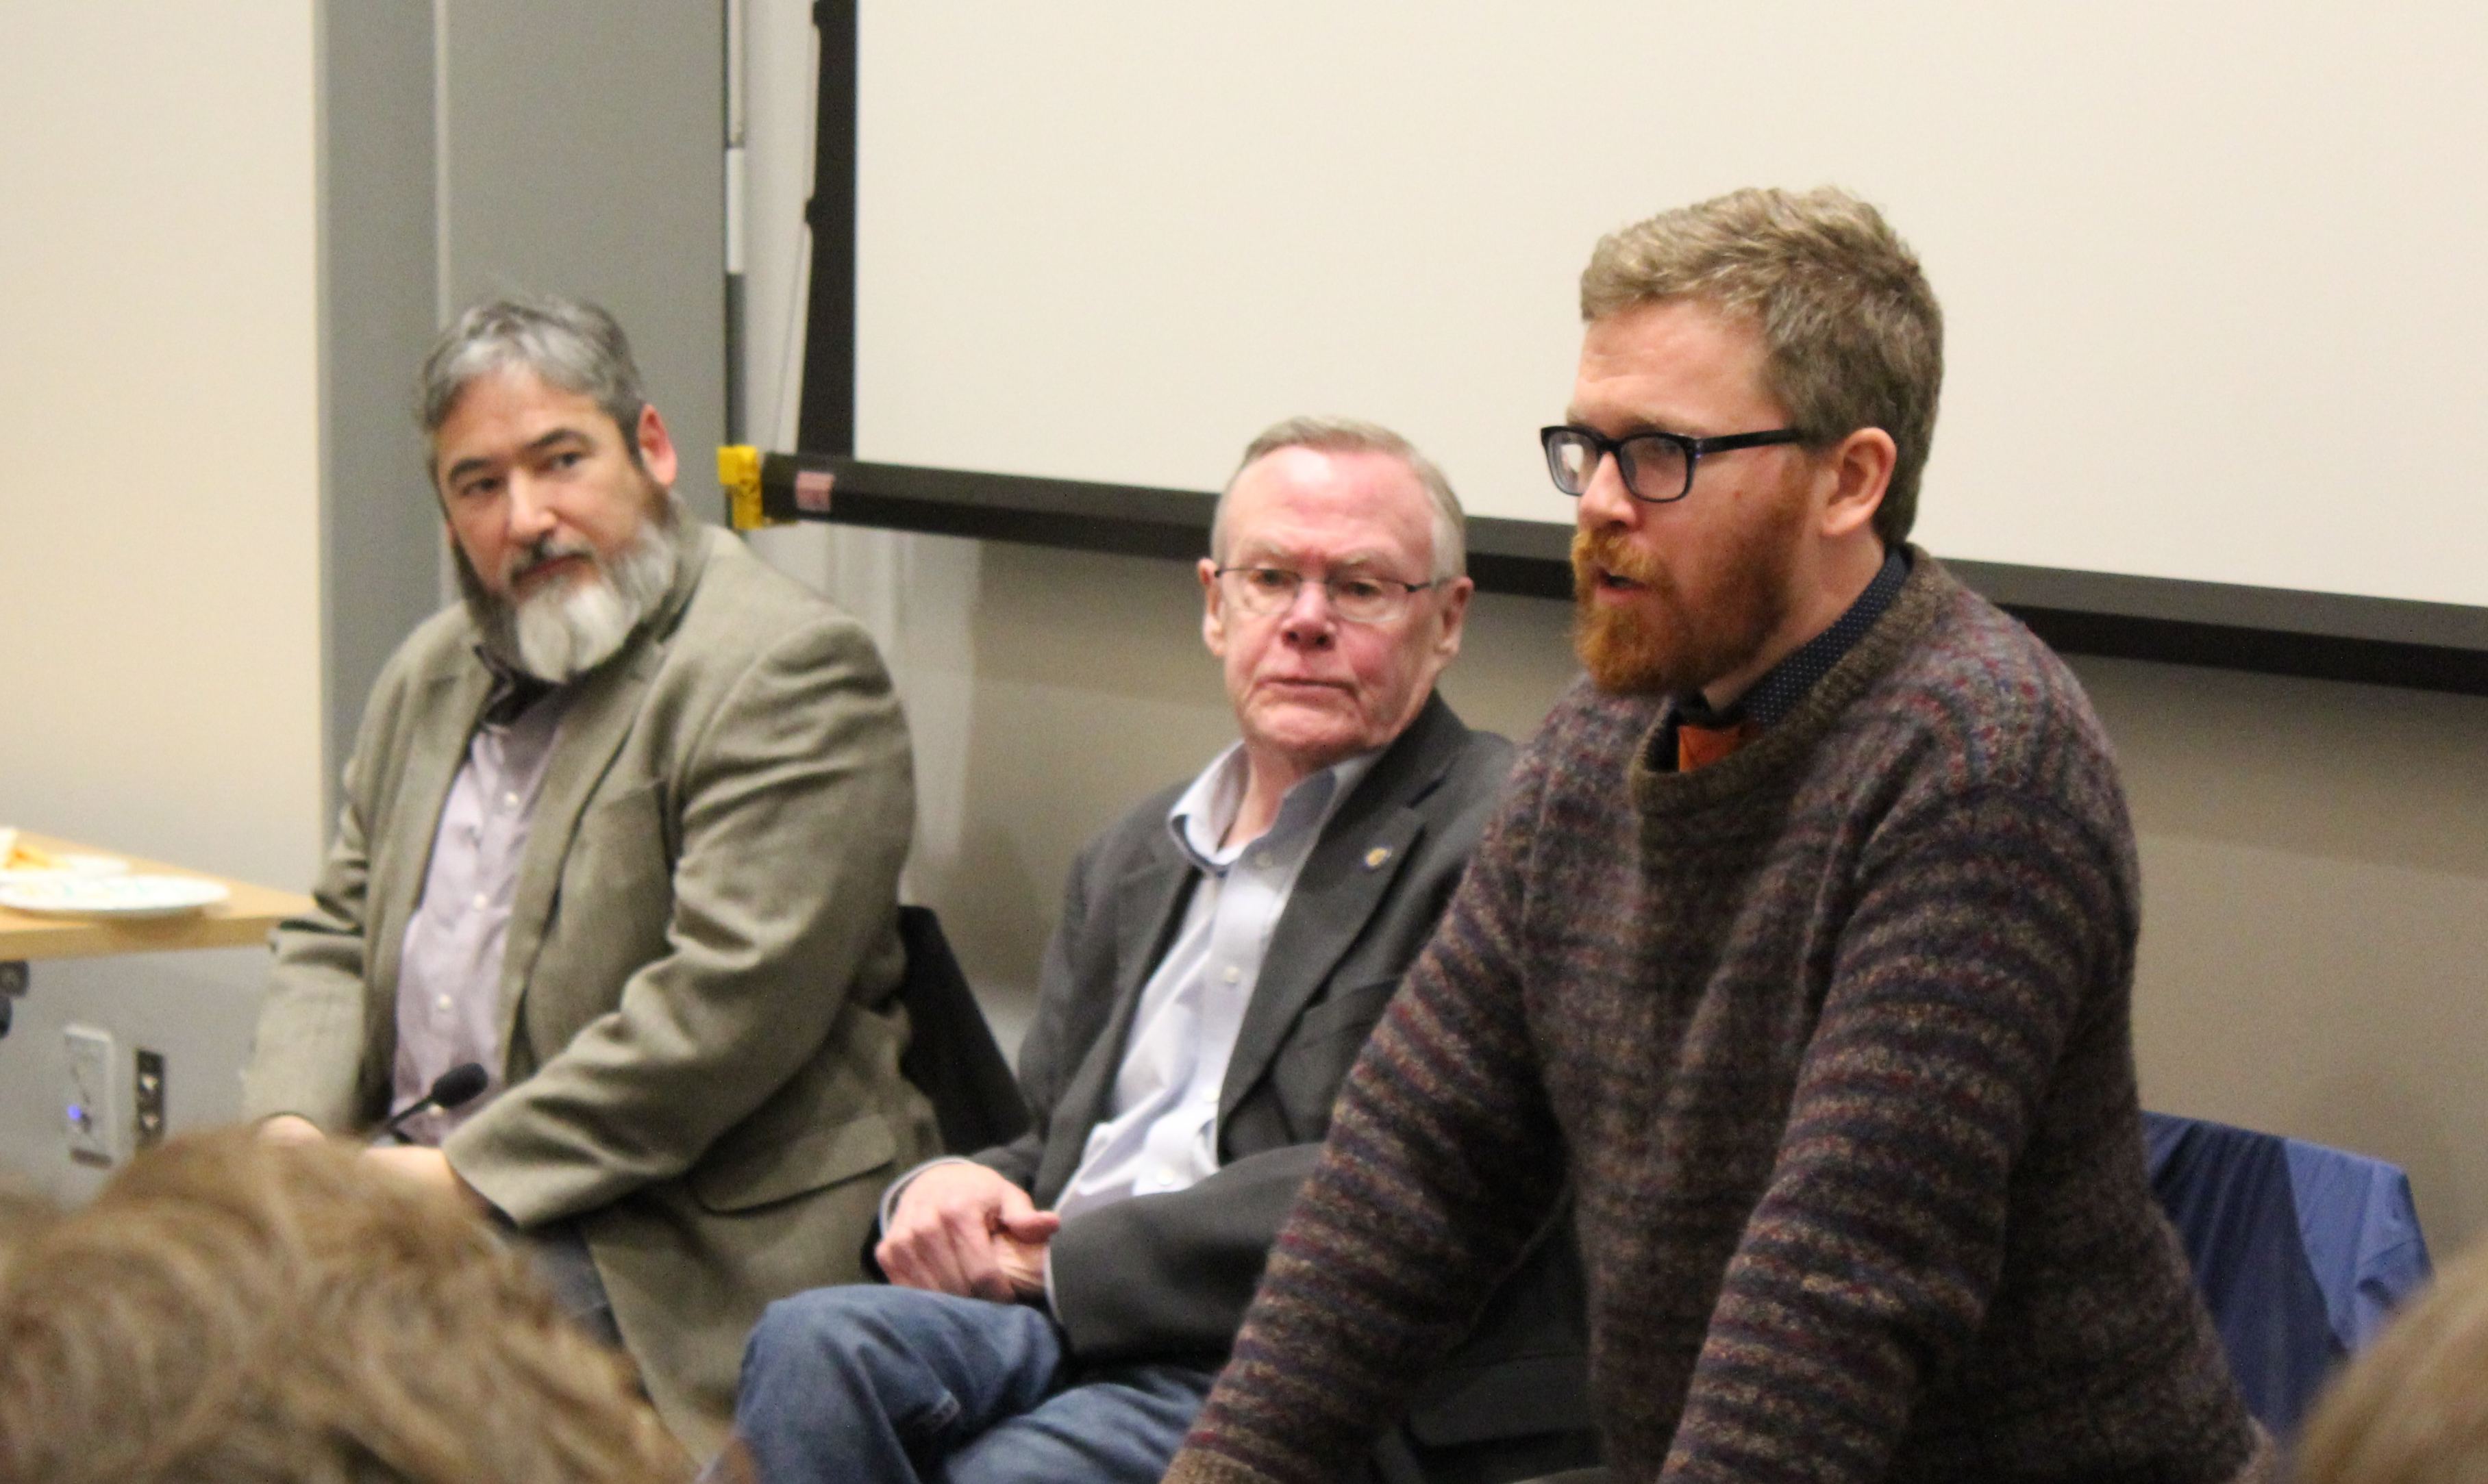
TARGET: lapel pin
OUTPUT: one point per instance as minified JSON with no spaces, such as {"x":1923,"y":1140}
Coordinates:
{"x":1374,"y":858}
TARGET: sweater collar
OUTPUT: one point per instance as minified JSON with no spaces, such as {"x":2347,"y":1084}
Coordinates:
{"x":1657,"y":789}
{"x":1768,"y":701}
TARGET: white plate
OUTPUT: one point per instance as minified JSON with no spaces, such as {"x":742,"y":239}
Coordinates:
{"x":110,"y":896}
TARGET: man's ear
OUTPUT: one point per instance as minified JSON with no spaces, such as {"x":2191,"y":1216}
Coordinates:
{"x":1213,"y":613}
{"x":656,"y":446}
{"x":1455,"y":612}
{"x":1860,"y":467}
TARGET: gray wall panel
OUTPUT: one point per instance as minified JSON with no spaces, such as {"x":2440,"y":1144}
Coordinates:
{"x":583,"y":152}
{"x":380,"y":534}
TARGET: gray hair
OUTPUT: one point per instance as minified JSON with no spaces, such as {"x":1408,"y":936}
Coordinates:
{"x":1349,"y":436}
{"x":577,"y":346}
{"x":1852,"y":334}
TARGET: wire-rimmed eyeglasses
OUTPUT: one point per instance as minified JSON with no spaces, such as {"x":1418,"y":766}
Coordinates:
{"x":1356,"y":596}
{"x":1657,"y":467}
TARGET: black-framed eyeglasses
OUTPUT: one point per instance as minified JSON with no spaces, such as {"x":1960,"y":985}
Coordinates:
{"x":1356,"y":596}
{"x":1657,"y":467}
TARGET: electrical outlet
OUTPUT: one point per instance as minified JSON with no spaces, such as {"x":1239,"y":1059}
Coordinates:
{"x":147,"y":1102}
{"x":93,"y":1135}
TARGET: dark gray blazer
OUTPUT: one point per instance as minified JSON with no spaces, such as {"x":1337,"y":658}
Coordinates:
{"x":1168,"y":1277}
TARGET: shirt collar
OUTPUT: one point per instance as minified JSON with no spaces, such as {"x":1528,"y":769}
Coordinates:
{"x":1200,"y":818}
{"x":514,"y":690}
{"x":1785,"y":685}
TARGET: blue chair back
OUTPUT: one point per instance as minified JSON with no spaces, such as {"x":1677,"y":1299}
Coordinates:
{"x":2300,"y":1252}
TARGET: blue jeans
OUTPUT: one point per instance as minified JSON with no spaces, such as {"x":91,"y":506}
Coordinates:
{"x":869,"y":1384}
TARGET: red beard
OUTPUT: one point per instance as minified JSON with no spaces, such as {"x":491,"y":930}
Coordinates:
{"x":1628,"y":651}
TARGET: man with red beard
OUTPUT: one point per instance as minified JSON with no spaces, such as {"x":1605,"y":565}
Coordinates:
{"x":1803,"y":942}
{"x":622,"y":831}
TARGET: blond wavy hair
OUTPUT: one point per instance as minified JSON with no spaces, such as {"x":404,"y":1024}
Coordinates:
{"x":233,"y":1311}
{"x":2412,"y":1409}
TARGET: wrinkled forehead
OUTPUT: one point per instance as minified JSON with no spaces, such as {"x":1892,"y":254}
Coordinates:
{"x":1309,"y":505}
{"x":514,"y":403}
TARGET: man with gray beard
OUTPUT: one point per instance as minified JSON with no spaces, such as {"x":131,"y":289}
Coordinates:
{"x":622,"y":829}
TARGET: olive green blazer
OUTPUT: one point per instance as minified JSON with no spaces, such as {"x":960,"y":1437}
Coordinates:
{"x":700,"y":1037}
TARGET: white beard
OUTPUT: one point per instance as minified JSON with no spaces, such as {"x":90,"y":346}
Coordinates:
{"x":570,"y":628}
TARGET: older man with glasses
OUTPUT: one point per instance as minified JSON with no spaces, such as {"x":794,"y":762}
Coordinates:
{"x":1802,"y":944}
{"x":1058,"y":1307}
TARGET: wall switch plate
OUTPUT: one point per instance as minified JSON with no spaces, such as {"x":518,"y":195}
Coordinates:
{"x":147,"y":1101}
{"x":89,"y":1087}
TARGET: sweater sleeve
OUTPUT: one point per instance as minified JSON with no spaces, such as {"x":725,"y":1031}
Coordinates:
{"x":1438,"y":1167}
{"x":1978,"y":940}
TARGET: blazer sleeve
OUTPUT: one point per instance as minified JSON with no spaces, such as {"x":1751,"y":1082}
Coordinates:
{"x":308,"y":1053}
{"x":1172,"y":1274}
{"x":1075,"y":990}
{"x":794,"y":803}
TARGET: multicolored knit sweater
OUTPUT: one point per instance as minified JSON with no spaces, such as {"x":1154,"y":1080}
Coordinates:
{"x":1832,"y":1037}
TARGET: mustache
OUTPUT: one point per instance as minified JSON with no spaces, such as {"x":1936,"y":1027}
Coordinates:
{"x":1606,"y":552}
{"x":542,"y":552}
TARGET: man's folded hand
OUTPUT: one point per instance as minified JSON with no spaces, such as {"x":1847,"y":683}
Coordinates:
{"x":963,"y":1229}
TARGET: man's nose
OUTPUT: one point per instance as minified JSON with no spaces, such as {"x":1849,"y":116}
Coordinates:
{"x":531,"y":508}
{"x":1309,"y":620}
{"x":1605,"y":502}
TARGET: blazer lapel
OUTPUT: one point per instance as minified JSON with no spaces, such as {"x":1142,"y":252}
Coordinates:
{"x":598,"y":718}
{"x":592,"y":731}
{"x":1333,"y":897}
{"x":1347,"y":876}
{"x":1155,"y":894}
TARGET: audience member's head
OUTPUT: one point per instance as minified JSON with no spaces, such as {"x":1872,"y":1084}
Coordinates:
{"x":2413,"y":1408}
{"x":1852,"y":337}
{"x":1334,"y":591}
{"x":234,"y":1311}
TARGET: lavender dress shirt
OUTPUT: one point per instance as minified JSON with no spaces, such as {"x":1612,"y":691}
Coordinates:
{"x":449,"y":968}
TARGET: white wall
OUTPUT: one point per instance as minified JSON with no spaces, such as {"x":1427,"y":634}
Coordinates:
{"x":159,"y":442}
{"x":2315,"y":913}
{"x":159,"y":519}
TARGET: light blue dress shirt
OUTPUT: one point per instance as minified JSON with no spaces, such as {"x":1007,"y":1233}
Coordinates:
{"x":1161,"y":1130}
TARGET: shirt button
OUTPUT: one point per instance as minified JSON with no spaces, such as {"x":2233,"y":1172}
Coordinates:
{"x":443,"y":1002}
{"x":483,"y":900}
{"x":510,"y":800}
{"x":1234,"y":973}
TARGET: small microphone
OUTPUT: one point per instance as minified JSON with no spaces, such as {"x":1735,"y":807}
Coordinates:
{"x":453,"y":1087}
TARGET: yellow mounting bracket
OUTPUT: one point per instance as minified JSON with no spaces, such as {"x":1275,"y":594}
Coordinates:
{"x":738,"y":468}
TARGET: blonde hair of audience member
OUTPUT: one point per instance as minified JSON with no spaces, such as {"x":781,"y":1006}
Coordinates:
{"x":2412,"y":1409}
{"x":1852,"y":334}
{"x":233,"y":1310}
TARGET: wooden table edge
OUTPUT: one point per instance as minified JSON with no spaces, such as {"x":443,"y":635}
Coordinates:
{"x":242,"y":920}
